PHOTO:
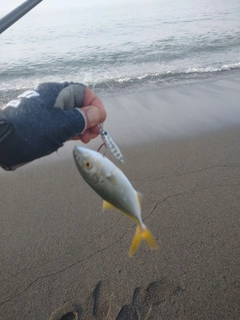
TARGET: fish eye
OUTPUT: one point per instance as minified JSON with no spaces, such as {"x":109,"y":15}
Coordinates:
{"x":87,"y":164}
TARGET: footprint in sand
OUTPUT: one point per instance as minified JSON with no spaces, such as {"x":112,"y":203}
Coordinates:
{"x":146,"y":300}
{"x":67,"y":312}
{"x":70,"y":316}
{"x":98,"y":304}
{"x":128,"y":312}
{"x":146,"y":303}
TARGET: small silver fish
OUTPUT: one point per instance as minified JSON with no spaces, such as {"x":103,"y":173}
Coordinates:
{"x":110,"y":144}
{"x":115,"y":189}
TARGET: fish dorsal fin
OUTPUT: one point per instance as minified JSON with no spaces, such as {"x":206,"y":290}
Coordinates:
{"x":107,"y":205}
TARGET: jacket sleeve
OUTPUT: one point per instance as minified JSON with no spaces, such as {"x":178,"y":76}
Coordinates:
{"x":38,"y":122}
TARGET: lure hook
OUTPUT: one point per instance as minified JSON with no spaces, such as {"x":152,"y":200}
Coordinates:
{"x":110,"y":144}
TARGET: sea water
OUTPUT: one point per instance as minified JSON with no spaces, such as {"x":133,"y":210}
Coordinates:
{"x":120,"y":45}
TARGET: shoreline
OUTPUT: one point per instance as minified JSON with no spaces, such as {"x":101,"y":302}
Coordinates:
{"x":114,"y":87}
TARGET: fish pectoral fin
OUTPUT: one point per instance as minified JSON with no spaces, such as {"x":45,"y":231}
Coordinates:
{"x":112,"y":179}
{"x":107,"y":205}
{"x":108,"y":175}
{"x":142,"y":234}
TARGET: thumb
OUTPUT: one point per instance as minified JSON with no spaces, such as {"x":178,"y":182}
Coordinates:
{"x":92,"y":114}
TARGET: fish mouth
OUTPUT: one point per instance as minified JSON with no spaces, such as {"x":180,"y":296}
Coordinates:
{"x":80,"y":153}
{"x":77,"y":152}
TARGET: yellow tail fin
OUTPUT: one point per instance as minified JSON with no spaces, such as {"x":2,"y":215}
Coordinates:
{"x":142,"y":233}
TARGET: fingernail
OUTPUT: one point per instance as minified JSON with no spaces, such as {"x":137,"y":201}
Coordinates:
{"x":93,"y":116}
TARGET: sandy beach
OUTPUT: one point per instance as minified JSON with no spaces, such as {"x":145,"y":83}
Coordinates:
{"x":62,"y":257}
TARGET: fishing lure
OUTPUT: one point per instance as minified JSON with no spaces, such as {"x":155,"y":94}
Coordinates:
{"x":110,"y":144}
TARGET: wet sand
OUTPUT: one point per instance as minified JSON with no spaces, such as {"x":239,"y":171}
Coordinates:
{"x":59,"y":252}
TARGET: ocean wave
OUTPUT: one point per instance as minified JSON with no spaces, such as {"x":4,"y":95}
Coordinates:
{"x":161,"y":79}
{"x":112,"y":82}
{"x":225,"y":67}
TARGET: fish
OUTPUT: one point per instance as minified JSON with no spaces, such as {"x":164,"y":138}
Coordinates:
{"x":117,"y":192}
{"x":110,"y":144}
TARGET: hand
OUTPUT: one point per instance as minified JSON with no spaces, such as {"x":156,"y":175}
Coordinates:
{"x":94,"y":112}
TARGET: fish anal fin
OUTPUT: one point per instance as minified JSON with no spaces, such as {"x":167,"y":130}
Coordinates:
{"x":139,"y":196}
{"x":107,"y":205}
{"x":142,"y":234}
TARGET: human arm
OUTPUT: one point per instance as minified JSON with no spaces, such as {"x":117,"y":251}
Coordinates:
{"x":38,"y":122}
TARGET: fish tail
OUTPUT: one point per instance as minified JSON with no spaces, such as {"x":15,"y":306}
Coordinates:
{"x":142,"y":233}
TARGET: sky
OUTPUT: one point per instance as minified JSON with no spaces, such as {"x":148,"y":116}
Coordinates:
{"x":7,"y":6}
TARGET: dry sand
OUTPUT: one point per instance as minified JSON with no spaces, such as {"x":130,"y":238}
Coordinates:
{"x":59,"y":253}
